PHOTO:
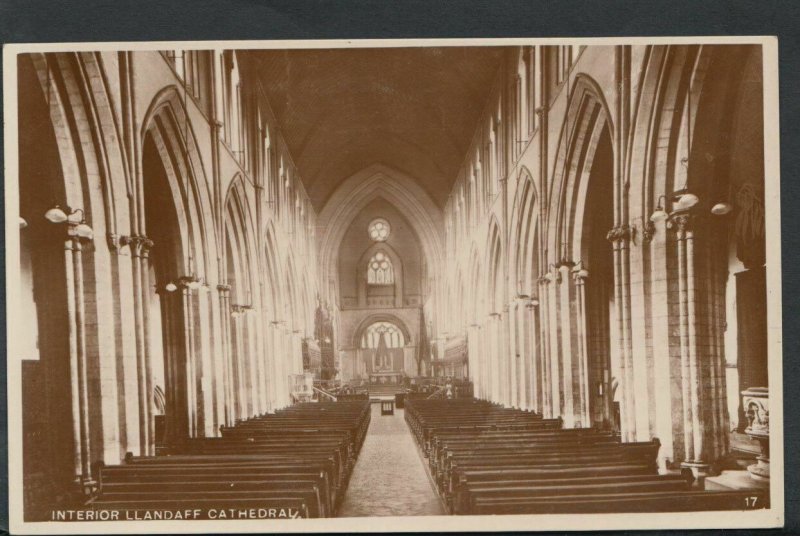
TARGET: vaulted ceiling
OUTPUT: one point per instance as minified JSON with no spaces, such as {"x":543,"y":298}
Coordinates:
{"x":413,"y":109}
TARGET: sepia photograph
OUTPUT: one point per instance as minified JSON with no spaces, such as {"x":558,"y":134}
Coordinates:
{"x":382,"y":285}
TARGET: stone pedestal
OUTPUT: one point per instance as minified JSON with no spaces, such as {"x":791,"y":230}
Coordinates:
{"x":755,"y":401}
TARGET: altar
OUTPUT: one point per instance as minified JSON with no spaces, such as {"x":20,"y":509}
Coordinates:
{"x":390,"y":377}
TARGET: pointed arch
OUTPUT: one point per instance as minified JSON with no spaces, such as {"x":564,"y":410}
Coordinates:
{"x":358,"y":333}
{"x":587,"y":119}
{"x":377,"y":181}
{"x":494,"y":252}
{"x":168,"y":126}
{"x":524,"y":243}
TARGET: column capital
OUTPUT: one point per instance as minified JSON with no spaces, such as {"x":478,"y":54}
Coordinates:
{"x":553,"y":276}
{"x":579,"y":273}
{"x":681,"y":221}
{"x":619,"y":233}
{"x":138,"y":244}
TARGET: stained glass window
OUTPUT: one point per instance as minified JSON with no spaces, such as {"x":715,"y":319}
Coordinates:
{"x":391,"y":334}
{"x":380,"y":270}
{"x":379,"y":230}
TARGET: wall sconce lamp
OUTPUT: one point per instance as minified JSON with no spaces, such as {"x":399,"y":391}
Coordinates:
{"x":534,"y":301}
{"x":75,"y":218}
{"x":22,"y":223}
{"x":659,"y":213}
{"x":683,"y":199}
{"x":171,"y":287}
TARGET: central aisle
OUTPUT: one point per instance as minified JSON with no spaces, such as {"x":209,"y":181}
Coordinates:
{"x":389,"y":478}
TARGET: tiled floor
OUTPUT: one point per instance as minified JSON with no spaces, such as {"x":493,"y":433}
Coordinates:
{"x":389,"y":478}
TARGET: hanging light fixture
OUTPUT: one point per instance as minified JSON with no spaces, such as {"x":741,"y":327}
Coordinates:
{"x":683,"y":199}
{"x":171,"y":287}
{"x":721,"y":208}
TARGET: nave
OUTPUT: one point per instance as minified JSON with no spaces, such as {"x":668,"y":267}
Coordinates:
{"x":347,"y":459}
{"x":216,"y":244}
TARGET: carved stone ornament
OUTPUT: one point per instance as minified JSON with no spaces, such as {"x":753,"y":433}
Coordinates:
{"x":756,"y":408}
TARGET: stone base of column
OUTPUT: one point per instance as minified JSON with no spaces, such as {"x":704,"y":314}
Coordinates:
{"x":84,"y":487}
{"x":760,"y":471}
{"x":700,"y":470}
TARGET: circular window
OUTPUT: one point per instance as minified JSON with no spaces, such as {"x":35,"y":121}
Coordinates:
{"x":379,"y":230}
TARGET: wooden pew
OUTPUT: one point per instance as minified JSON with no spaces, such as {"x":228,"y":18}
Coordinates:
{"x":298,"y":458}
{"x":668,"y":501}
{"x":491,"y":460}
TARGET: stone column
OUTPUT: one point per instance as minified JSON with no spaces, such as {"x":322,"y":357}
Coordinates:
{"x":190,"y":368}
{"x":474,"y":358}
{"x":620,"y":239}
{"x":223,"y":292}
{"x":136,"y":246}
{"x":554,"y":354}
{"x":691,"y":365}
{"x":522,"y":334}
{"x":73,"y":248}
{"x":566,"y":356}
{"x":533,"y":330}
{"x":546,"y":380}
{"x":147,"y":244}
{"x":579,"y":276}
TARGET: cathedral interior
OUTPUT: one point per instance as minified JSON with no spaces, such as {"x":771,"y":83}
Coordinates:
{"x":553,"y":241}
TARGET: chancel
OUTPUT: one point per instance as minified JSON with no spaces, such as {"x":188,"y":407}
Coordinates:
{"x":418,"y":280}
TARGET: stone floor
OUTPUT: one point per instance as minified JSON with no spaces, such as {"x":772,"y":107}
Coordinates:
{"x":389,"y":478}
